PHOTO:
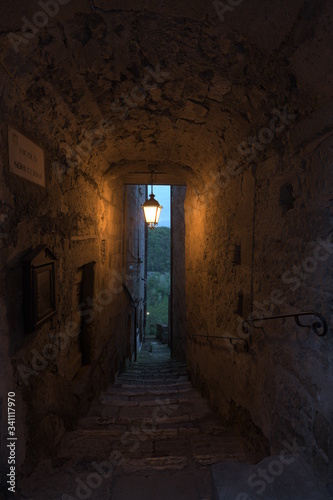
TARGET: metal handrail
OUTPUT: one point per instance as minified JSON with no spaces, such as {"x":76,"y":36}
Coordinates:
{"x":319,"y":325}
{"x":232,"y":340}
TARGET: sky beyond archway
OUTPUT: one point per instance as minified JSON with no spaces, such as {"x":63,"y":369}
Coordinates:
{"x":162,"y":195}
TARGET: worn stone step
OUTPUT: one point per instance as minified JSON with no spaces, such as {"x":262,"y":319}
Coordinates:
{"x":156,"y":371}
{"x":164,"y":478}
{"x":193,"y":409}
{"x":153,"y":396}
{"x":153,"y":368}
{"x":159,"y":433}
{"x":156,"y":396}
{"x":151,"y":380}
{"x":147,"y":443}
{"x":143,"y":363}
{"x":165,"y":422}
{"x":171,"y":462}
{"x":177,"y":397}
{"x":180,"y":423}
{"x":198,"y":407}
{"x":157,"y":377}
{"x":162,"y":420}
{"x":156,"y":366}
{"x":163,"y":428}
{"x":142,"y":391}
{"x":186,"y":484}
{"x":153,"y":385}
{"x":199,"y":423}
{"x":165,"y":371}
{"x":144,"y":399}
{"x":147,"y":401}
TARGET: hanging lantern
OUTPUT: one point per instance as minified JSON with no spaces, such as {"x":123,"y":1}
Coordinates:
{"x":152,"y":210}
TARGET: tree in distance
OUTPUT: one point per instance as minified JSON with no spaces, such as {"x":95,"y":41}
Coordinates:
{"x":158,"y":267}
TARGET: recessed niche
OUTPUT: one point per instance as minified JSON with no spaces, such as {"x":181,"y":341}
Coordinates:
{"x":237,"y":255}
{"x":286,"y":200}
{"x":240,"y":304}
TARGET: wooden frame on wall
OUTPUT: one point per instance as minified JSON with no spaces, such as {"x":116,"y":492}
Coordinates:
{"x":39,"y":275}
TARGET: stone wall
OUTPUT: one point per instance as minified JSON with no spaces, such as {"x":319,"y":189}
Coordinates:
{"x":134,"y":264}
{"x":234,"y":101}
{"x":263,"y":247}
{"x":178,"y":297}
{"x":82,"y":219}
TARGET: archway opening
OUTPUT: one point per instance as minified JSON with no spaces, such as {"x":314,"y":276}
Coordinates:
{"x":159,"y":272}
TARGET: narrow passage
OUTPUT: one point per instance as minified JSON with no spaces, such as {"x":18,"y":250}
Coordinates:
{"x":150,"y":435}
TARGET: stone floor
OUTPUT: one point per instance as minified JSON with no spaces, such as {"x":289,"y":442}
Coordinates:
{"x":149,"y":436}
{"x":282,"y":477}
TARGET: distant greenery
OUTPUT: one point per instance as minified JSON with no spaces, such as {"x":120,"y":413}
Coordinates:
{"x":157,"y":300}
{"x":159,"y":247}
{"x":158,"y":266}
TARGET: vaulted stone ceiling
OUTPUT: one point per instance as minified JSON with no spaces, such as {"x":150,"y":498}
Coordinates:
{"x":124,"y":85}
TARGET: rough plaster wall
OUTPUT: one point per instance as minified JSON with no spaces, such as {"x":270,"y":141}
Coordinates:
{"x":284,"y":382}
{"x":178,"y":297}
{"x":81,"y":220}
{"x":182,"y":86}
{"x":146,"y":82}
{"x":134,"y":261}
{"x":302,"y":380}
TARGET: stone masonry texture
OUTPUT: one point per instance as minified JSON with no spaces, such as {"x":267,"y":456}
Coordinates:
{"x":232,"y":100}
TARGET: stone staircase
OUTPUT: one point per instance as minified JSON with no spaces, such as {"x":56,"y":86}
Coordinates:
{"x":149,"y":436}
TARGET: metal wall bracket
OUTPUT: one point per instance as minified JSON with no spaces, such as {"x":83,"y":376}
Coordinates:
{"x":318,"y":325}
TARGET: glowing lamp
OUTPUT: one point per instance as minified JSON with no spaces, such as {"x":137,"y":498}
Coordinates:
{"x":152,"y":210}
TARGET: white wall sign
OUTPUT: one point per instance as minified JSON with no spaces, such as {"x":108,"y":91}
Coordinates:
{"x":26,"y":159}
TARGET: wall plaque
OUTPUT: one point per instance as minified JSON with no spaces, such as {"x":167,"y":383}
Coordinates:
{"x":26,"y":159}
{"x":40,"y":301}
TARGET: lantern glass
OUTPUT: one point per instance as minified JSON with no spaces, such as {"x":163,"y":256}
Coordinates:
{"x":152,"y":211}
